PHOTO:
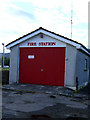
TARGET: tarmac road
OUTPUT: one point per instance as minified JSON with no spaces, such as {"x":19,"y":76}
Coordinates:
{"x":18,"y":104}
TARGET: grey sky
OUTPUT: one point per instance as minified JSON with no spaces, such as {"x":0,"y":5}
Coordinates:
{"x":19,"y":17}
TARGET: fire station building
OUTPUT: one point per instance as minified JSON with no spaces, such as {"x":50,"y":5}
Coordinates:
{"x":46,"y":58}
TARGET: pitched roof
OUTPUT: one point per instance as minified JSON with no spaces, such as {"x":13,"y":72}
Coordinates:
{"x":47,"y":32}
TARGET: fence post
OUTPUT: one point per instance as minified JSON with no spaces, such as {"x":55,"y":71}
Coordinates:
{"x":77,"y":84}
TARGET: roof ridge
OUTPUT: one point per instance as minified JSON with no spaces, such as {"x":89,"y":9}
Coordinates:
{"x":49,"y":32}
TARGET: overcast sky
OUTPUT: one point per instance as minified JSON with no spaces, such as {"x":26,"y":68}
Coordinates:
{"x":19,"y":17}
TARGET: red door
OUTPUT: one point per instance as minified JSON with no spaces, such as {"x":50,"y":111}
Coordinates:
{"x":42,"y":65}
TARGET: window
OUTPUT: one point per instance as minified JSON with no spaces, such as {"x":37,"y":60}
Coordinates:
{"x":85,"y":69}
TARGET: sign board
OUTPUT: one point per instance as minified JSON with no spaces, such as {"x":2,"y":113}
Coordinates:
{"x":41,"y":44}
{"x":30,"y":56}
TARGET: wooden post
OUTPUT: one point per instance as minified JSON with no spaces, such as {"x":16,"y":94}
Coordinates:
{"x":77,"y":84}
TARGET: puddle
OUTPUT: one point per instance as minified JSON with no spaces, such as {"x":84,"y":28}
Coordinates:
{"x":40,"y":116}
{"x":10,"y":102}
{"x":52,"y":96}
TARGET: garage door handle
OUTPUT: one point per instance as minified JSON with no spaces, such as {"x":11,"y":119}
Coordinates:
{"x":41,"y":70}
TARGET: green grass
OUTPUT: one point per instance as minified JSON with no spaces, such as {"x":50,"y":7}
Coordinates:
{"x":4,"y":68}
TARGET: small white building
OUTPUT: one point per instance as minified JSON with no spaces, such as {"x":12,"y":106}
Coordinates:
{"x":46,"y":58}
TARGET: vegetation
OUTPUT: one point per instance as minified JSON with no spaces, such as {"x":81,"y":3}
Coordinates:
{"x":2,"y":69}
{"x":6,"y":61}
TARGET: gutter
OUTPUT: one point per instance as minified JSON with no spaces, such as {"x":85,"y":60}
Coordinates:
{"x":83,"y":49}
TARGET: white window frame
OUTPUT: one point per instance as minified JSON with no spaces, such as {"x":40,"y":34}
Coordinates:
{"x":85,"y":69}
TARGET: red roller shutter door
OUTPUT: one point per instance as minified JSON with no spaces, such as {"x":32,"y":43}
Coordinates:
{"x":42,"y":65}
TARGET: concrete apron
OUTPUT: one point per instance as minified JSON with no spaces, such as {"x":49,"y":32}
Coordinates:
{"x":34,"y":88}
{"x":25,"y":100}
{"x":39,"y":88}
{"x":33,"y":102}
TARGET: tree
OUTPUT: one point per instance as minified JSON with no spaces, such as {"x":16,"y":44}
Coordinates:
{"x":6,"y":61}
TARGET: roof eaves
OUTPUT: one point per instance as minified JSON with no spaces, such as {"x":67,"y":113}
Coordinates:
{"x":22,"y":36}
{"x":51,"y":33}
